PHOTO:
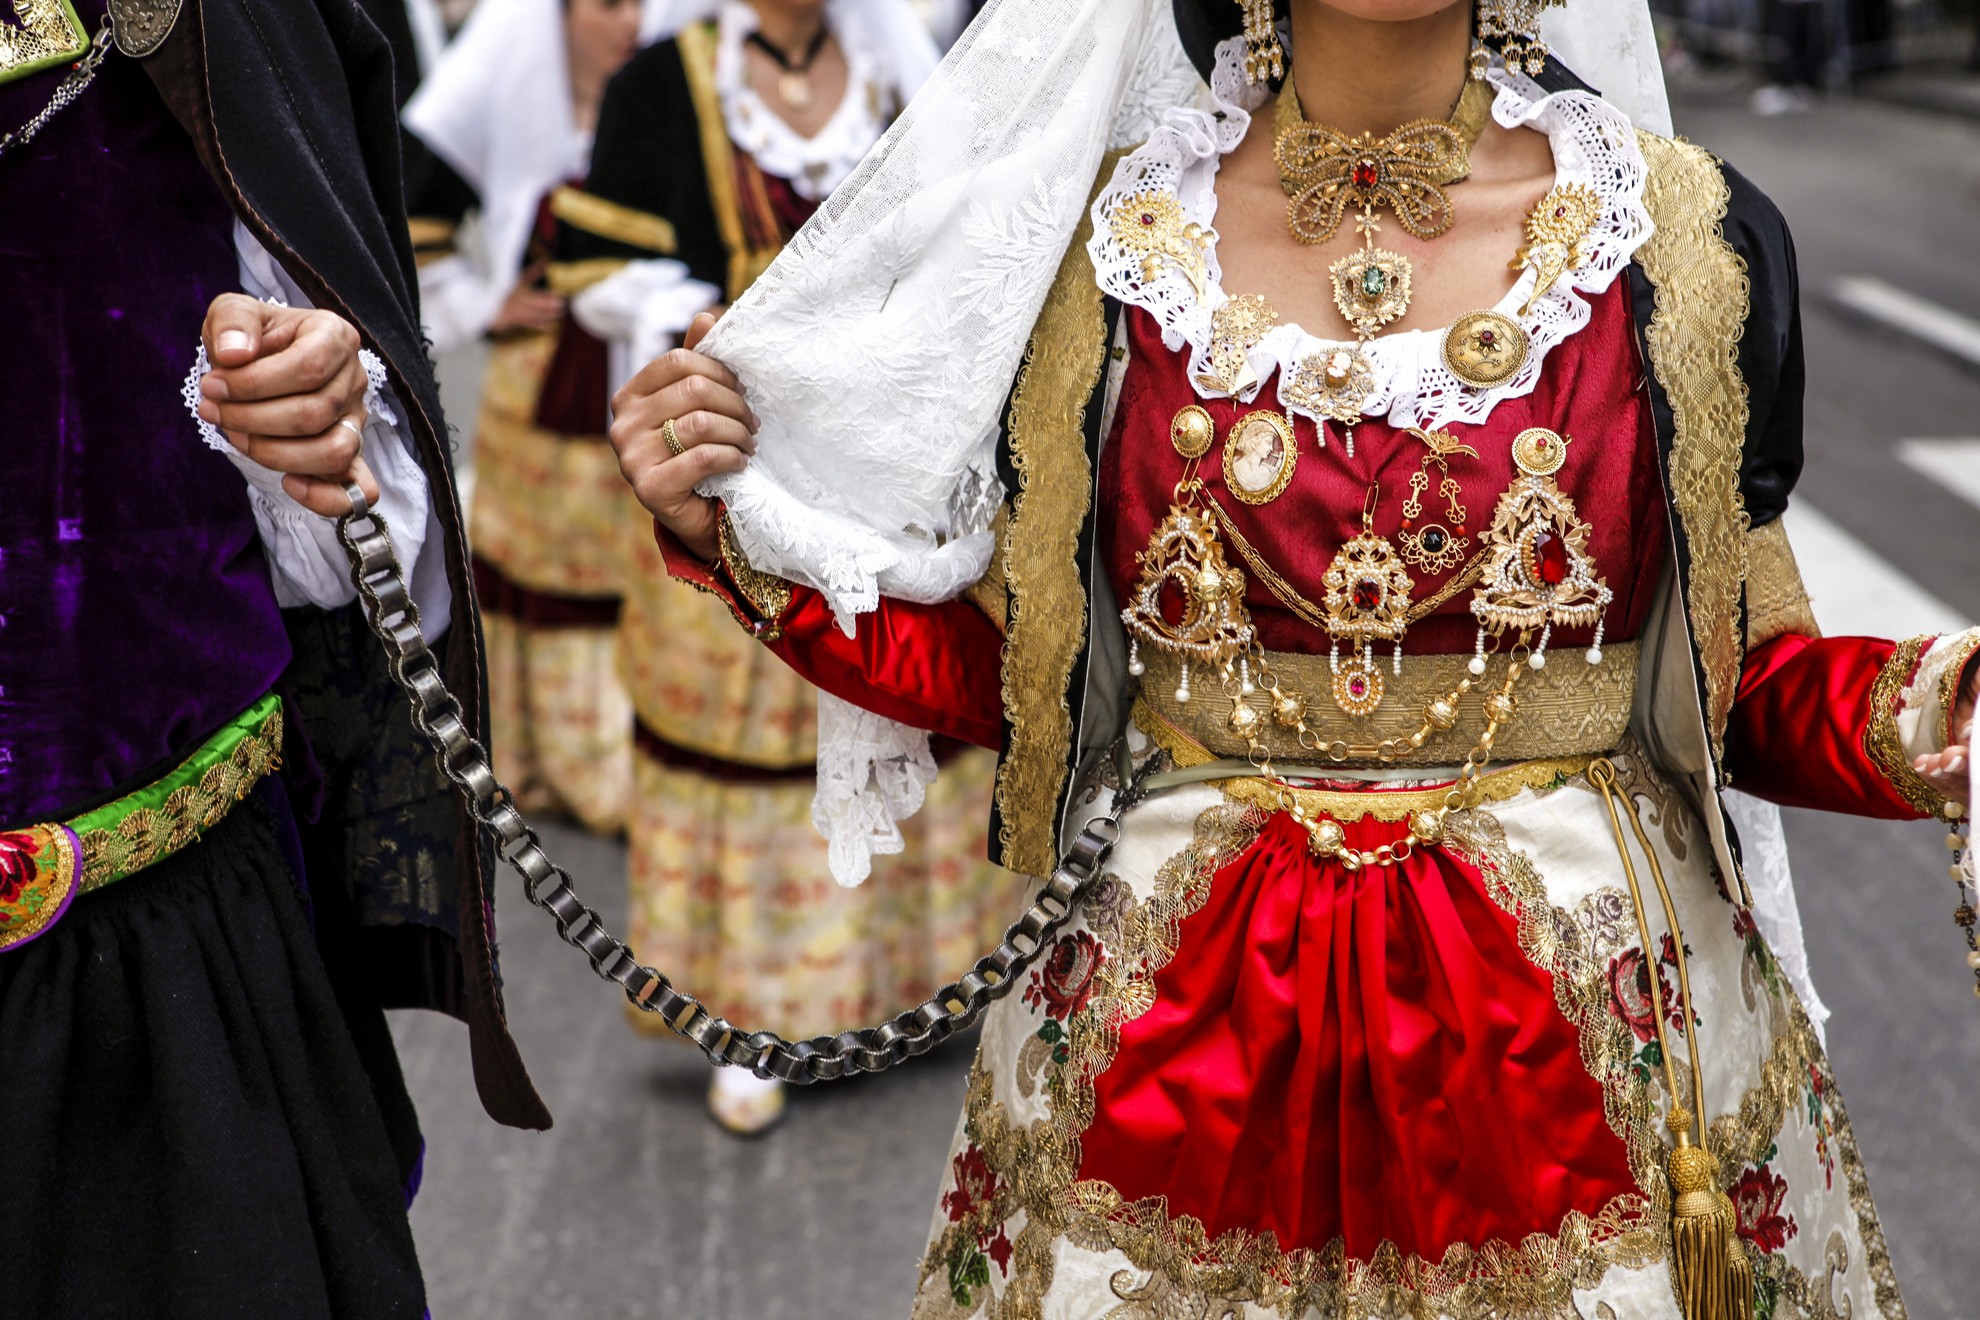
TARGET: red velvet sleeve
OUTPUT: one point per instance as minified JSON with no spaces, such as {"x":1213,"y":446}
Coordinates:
{"x":935,"y":667}
{"x":1813,"y":727}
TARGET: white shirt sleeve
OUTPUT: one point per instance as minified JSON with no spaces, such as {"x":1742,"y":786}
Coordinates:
{"x":640,"y":310}
{"x":305,"y":557}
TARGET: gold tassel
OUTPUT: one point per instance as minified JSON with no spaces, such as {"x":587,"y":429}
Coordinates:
{"x":1739,"y":1264}
{"x":1710,"y":1268}
{"x":1708,"y":1261}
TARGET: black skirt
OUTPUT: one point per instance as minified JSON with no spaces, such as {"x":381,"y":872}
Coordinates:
{"x":192,"y":1124}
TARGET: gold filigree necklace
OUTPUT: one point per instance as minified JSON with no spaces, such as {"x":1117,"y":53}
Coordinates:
{"x":1325,"y":172}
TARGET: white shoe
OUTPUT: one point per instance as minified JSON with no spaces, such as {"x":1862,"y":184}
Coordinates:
{"x":1773,"y":101}
{"x":744,"y":1103}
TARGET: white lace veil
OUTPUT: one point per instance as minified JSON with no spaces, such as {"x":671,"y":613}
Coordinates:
{"x":879,"y":348}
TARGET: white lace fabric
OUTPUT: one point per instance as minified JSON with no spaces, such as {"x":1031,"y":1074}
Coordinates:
{"x":1593,"y":145}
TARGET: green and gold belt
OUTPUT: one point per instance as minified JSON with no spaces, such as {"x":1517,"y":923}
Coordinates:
{"x":44,"y":866}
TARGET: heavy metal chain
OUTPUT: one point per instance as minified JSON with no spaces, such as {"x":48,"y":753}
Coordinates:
{"x":81,"y":75}
{"x":390,"y":611}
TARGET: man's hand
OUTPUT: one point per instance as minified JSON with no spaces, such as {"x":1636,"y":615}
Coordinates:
{"x":714,"y":427}
{"x":287,"y":390}
{"x":1946,"y":770}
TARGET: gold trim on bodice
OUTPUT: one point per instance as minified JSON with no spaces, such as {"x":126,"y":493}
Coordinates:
{"x":1047,"y":619}
{"x":1703,"y":294}
{"x":1567,"y":709}
{"x":1776,"y":599}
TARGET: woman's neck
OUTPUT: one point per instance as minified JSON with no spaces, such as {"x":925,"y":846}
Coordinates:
{"x":790,"y":28}
{"x":587,"y":90}
{"x":1359,"y":75}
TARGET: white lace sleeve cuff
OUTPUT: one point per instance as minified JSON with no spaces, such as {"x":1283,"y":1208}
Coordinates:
{"x":873,"y":773}
{"x":305,"y":558}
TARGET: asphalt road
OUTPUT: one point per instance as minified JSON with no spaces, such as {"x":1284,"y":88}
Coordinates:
{"x":635,"y":1205}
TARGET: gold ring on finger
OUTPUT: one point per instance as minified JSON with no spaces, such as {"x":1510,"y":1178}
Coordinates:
{"x":674,"y":445}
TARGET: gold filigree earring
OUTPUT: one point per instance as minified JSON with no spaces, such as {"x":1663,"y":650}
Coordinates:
{"x":1264,"y":57}
{"x":1512,"y":27}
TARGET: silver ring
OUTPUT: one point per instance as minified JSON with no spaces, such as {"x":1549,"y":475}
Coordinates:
{"x":353,"y":428}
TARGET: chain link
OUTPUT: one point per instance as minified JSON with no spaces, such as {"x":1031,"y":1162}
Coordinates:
{"x":81,"y":75}
{"x":391,"y":613}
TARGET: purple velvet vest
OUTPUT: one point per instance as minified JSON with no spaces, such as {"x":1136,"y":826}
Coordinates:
{"x":136,"y":614}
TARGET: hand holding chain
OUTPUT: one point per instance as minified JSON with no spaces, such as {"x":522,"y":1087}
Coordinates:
{"x":391,"y":613}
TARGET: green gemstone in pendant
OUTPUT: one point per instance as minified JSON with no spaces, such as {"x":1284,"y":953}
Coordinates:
{"x":1374,"y":282}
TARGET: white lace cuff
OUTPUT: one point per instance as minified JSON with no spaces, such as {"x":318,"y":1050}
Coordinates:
{"x":873,"y":773}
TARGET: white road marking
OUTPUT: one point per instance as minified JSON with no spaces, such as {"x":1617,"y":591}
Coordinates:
{"x":1954,"y":464}
{"x":1919,"y":317}
{"x":1856,"y":592}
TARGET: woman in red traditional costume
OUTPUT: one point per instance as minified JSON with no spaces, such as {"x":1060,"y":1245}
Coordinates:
{"x":509,"y":113}
{"x":1383,"y":496}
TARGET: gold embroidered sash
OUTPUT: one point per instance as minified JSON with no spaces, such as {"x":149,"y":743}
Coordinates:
{"x":1570,"y":708}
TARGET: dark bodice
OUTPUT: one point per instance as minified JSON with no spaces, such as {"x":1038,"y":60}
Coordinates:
{"x":137,"y":610}
{"x":1590,"y":391}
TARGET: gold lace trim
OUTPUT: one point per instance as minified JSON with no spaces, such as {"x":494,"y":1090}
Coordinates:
{"x":621,"y":224}
{"x":1702,"y":297}
{"x":1881,"y":740}
{"x":991,"y":593}
{"x":44,"y":33}
{"x":1776,"y":599}
{"x":1047,"y":621}
{"x":1396,"y":804}
{"x":767,"y":594}
{"x":148,"y":835}
{"x":1963,"y":647}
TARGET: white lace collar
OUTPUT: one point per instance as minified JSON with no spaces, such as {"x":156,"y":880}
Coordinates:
{"x":814,"y":165}
{"x":1593,"y":144}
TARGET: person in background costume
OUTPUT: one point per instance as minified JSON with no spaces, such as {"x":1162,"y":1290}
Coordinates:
{"x":224,"y":851}
{"x":1428,"y":976}
{"x":764,"y":108}
{"x":509,"y":113}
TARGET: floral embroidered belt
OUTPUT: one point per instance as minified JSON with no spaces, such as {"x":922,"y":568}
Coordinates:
{"x":44,"y":866}
{"x":1570,"y":708}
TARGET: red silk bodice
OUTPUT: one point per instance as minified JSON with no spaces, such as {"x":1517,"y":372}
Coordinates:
{"x":1591,"y":391}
